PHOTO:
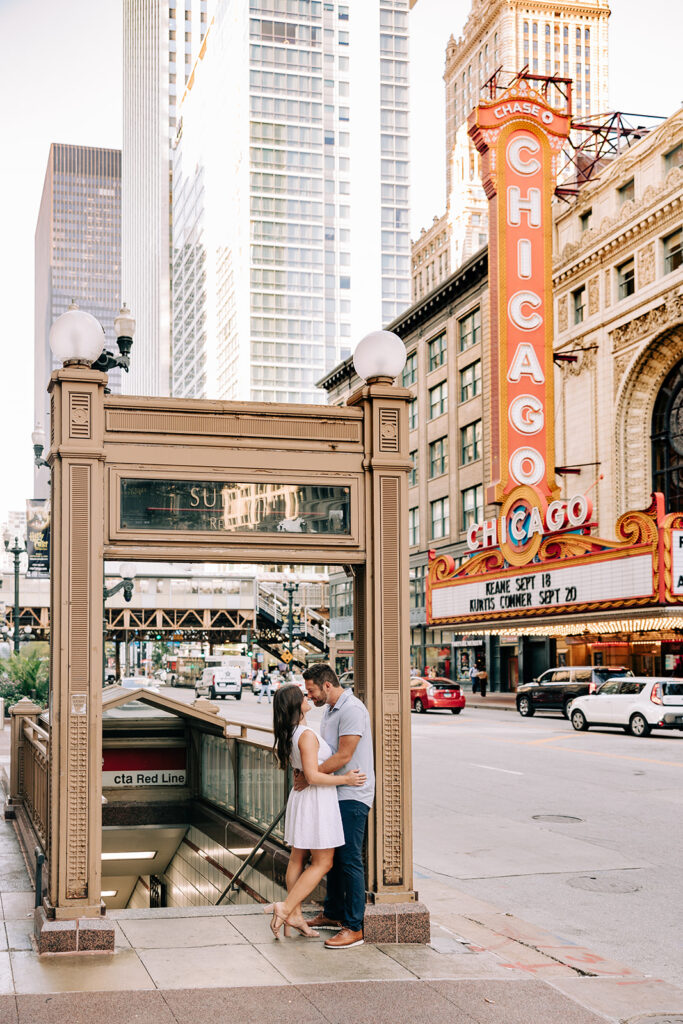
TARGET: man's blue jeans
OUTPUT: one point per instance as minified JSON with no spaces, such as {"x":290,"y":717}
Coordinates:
{"x":345,"y":899}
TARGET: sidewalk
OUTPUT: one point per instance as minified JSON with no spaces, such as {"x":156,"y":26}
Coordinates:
{"x":497,"y":701}
{"x":213,"y":964}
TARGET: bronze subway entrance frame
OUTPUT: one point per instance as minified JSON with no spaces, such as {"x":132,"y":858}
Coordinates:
{"x":355,"y":455}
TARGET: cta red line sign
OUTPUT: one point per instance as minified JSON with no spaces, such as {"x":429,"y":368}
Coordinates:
{"x":143,"y":766}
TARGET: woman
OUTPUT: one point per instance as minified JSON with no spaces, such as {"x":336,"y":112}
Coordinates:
{"x":313,"y":823}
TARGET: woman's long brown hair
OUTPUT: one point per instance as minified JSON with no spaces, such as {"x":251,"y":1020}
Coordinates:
{"x":286,"y":715}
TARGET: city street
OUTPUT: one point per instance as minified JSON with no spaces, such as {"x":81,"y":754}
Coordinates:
{"x":485,"y":784}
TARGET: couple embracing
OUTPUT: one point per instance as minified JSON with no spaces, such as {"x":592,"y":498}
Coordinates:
{"x":327,"y":811}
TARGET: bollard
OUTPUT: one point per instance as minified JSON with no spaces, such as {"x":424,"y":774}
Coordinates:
{"x":40,"y":860}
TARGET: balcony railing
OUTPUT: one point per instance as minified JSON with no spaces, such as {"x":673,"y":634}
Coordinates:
{"x":30,"y":755}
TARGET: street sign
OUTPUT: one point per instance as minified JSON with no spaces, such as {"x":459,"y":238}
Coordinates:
{"x":287,"y":657}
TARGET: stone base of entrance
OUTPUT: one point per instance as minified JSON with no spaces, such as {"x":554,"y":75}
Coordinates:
{"x":80,"y":935}
{"x":396,"y":922}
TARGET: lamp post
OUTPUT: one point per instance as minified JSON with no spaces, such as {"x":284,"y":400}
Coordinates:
{"x":17,"y":552}
{"x":126,"y":584}
{"x":290,"y":589}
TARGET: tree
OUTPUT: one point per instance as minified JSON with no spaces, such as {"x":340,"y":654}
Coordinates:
{"x":26,"y":674}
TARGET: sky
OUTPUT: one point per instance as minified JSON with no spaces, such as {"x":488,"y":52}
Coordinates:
{"x":61,"y":71}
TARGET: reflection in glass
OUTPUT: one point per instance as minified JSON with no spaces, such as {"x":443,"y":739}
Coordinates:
{"x":217,"y":506}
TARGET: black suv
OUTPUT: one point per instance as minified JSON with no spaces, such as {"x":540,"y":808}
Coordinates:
{"x":555,"y":689}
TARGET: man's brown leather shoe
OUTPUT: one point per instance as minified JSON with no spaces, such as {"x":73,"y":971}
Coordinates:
{"x":320,"y":921}
{"x":345,"y":939}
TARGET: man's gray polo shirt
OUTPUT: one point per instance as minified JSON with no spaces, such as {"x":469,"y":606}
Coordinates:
{"x":349,"y":717}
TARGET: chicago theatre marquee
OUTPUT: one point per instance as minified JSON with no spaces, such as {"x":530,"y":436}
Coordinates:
{"x":536,"y":567}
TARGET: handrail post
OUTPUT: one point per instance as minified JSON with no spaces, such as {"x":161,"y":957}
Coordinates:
{"x":19,"y":713}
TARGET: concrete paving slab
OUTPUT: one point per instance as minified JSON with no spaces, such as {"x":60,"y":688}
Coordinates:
{"x":8,"y":1010}
{"x":16,"y":905}
{"x":94,"y":1008}
{"x":517,"y":1002}
{"x":427,"y":963}
{"x":243,"y":1005}
{"x":255,"y":928}
{"x":14,"y":874}
{"x":302,"y":962}
{"x":622,"y":998}
{"x":511,"y":953}
{"x":3,"y":938}
{"x":19,"y":933}
{"x":408,"y":1002}
{"x":585,"y":960}
{"x":6,"y":982}
{"x":180,"y":933}
{"x":209,"y":967}
{"x":79,"y":972}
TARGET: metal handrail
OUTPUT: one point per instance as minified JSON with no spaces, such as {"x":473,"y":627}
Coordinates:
{"x":247,"y":862}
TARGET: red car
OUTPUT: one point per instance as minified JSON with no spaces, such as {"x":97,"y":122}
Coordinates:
{"x":426,"y":694}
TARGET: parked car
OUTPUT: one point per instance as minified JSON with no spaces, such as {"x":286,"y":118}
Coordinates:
{"x":555,"y":689}
{"x":636,"y":704}
{"x":432,"y":694}
{"x":346,"y":680}
{"x":219,"y":682}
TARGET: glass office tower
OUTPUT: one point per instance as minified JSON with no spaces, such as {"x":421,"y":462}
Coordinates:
{"x":290,"y":195}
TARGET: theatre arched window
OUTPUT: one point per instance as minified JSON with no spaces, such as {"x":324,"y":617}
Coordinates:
{"x":667,"y":440}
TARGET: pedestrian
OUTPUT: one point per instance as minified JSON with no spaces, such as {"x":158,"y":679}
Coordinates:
{"x":474,"y":673}
{"x":266,"y":688}
{"x":345,"y":726}
{"x":313,"y":824}
{"x":482,"y":680}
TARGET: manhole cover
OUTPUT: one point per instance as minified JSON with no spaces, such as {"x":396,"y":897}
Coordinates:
{"x":596,"y":883}
{"x":559,"y":818}
{"x":667,"y":1018}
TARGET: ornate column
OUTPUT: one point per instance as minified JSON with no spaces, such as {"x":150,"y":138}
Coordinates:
{"x":65,"y":922}
{"x":382,"y":664}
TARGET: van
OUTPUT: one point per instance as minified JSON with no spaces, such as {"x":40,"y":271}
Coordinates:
{"x":219,"y":682}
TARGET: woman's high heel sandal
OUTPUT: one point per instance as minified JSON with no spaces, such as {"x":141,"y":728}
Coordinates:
{"x":308,"y":933}
{"x":277,"y":919}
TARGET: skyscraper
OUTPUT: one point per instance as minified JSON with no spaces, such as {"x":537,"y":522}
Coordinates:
{"x":77,"y":252}
{"x":568,"y":38}
{"x":290,"y":194}
{"x":159,"y":46}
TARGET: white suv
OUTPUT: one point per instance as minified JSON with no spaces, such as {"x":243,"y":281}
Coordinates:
{"x":219,"y":682}
{"x":637,"y":704}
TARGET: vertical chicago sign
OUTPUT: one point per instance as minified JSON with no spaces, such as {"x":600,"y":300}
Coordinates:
{"x":520,"y":138}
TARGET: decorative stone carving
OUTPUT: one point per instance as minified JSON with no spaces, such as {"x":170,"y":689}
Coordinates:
{"x":79,"y":416}
{"x":593,"y":295}
{"x":652,"y":322}
{"x":388,"y":430}
{"x":393,"y":837}
{"x":585,"y":361}
{"x":562,"y":314}
{"x":608,"y":288}
{"x":646,"y":264}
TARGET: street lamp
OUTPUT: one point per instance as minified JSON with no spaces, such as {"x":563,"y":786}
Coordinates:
{"x":76,"y":337}
{"x":379,"y":357}
{"x":126,"y":584}
{"x":17,"y":551}
{"x":290,"y":589}
{"x":38,"y":441}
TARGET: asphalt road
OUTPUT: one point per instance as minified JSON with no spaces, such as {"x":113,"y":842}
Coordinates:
{"x":608,"y":877}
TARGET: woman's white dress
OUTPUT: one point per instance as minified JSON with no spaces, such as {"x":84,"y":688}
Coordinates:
{"x":313,"y":821}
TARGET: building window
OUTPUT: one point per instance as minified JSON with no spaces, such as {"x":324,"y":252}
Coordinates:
{"x":439,"y":518}
{"x":470,"y":442}
{"x":472,"y":506}
{"x":626,"y":279}
{"x":470,"y":381}
{"x":438,"y":399}
{"x":417,"y":586}
{"x":410,"y":370}
{"x":412,"y":414}
{"x":437,"y":352}
{"x":626,"y":192}
{"x":585,"y":220}
{"x":579,"y":303}
{"x":673,"y":254}
{"x":674,"y":158}
{"x":413,"y":526}
{"x":412,"y":476}
{"x":667,"y":457}
{"x":438,"y":457}
{"x":470,"y":329}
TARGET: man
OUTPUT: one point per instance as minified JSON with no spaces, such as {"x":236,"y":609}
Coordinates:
{"x":345,"y":725}
{"x":474,"y":674}
{"x":265,"y":688}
